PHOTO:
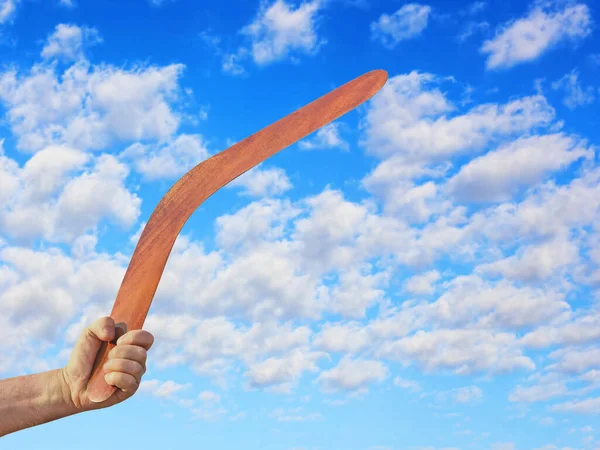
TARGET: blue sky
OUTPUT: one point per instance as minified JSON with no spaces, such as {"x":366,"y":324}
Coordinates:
{"x":421,"y":274}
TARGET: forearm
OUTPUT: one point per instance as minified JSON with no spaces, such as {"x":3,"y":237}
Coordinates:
{"x":31,"y":400}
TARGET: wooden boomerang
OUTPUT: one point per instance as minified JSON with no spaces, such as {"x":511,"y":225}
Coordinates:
{"x":187,"y":194}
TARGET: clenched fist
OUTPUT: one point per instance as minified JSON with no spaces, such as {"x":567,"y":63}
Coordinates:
{"x":124,"y":369}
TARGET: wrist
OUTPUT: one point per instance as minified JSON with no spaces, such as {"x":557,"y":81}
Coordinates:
{"x":61,"y":394}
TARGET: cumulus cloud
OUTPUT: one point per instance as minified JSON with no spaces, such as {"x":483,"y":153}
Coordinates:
{"x":499,"y":175}
{"x":403,"y":383}
{"x":8,"y":9}
{"x":583,"y":328}
{"x":585,"y":406}
{"x":261,"y":182}
{"x":411,"y":117}
{"x":463,"y":351}
{"x":357,"y":290}
{"x":266,"y":219}
{"x":167,"y":160}
{"x":40,"y":294}
{"x":67,"y":42}
{"x":90,"y":107}
{"x":542,"y":389}
{"x":349,"y":337}
{"x":422,"y":284}
{"x":546,"y":25}
{"x":162,"y":389}
{"x":326,"y":137}
{"x":58,"y":195}
{"x":550,"y":210}
{"x":465,"y":395}
{"x":575,"y":360}
{"x":279,"y":31}
{"x":353,"y":375}
{"x":282,"y":373}
{"x":407,"y":22}
{"x":535,"y":262}
{"x":575,"y":93}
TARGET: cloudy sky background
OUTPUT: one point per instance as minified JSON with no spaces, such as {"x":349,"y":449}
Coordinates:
{"x":421,"y":274}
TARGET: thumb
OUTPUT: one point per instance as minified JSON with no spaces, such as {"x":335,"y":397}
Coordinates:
{"x":89,"y":342}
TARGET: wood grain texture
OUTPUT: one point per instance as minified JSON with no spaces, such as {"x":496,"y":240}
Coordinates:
{"x":187,"y":194}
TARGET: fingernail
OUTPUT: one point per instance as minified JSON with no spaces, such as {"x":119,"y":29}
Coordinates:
{"x":104,"y":368}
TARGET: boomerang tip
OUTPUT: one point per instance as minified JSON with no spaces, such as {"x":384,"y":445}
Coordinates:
{"x":380,"y":76}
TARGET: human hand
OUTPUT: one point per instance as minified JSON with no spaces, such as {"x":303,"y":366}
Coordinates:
{"x":124,"y":368}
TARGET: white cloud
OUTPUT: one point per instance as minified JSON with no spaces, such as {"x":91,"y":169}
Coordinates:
{"x":326,"y":137}
{"x":41,"y":292}
{"x":416,"y":203}
{"x":275,"y":355}
{"x":586,"y":406}
{"x":407,"y":384}
{"x":549,"y":210}
{"x":357,"y":290}
{"x":503,"y":446}
{"x":58,"y":196}
{"x":263,"y":220}
{"x":422,"y":284}
{"x":476,"y":7}
{"x":466,"y":394}
{"x":259,"y":182}
{"x":575,"y":360}
{"x":67,"y":42}
{"x":529,"y":37}
{"x":89,"y":197}
{"x":535,"y":262}
{"x":499,"y":175}
{"x":543,"y":388}
{"x":232,"y":62}
{"x":467,"y":299}
{"x":8,"y":9}
{"x":167,"y":160}
{"x":471,"y":28}
{"x":349,"y":337}
{"x":354,"y":375}
{"x":162,"y":389}
{"x":583,"y":329}
{"x":280,"y":31}
{"x":294,"y":415}
{"x":283,"y":373}
{"x":593,"y":376}
{"x":90,"y":107}
{"x":410,"y":116}
{"x":464,"y":351}
{"x":575,"y":94}
{"x":209,"y":396}
{"x":407,"y":22}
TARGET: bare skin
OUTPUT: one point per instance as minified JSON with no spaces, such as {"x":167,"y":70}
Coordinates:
{"x":31,"y":400}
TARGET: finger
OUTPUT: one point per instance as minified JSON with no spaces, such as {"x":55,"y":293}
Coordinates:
{"x":137,"y":337}
{"x":91,"y":339}
{"x":131,"y":352}
{"x":123,"y":381}
{"x":125,"y":366}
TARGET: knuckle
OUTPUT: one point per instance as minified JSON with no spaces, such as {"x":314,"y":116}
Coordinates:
{"x":141,"y":353}
{"x":136,"y":368}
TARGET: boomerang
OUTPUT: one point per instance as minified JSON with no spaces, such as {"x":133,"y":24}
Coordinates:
{"x":192,"y":189}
